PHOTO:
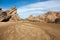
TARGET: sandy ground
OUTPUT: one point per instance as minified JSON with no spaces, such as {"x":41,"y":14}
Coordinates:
{"x":29,"y":31}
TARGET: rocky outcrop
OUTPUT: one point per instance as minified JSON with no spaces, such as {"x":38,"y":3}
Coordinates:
{"x":49,"y":17}
{"x":9,"y":15}
{"x":33,"y":18}
{"x":1,"y":10}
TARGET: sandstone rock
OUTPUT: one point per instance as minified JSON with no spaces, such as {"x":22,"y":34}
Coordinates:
{"x":0,"y":10}
{"x":49,"y":17}
{"x":9,"y":15}
{"x":52,"y":16}
{"x":33,"y":18}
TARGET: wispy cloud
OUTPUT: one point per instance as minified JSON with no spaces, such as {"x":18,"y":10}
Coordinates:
{"x":39,"y":8}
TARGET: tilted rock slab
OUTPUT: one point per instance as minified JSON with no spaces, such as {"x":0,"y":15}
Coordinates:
{"x":9,"y":15}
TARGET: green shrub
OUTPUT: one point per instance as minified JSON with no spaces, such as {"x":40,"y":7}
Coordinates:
{"x":57,"y":20}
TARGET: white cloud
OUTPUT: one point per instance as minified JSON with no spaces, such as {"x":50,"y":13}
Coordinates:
{"x":38,"y":8}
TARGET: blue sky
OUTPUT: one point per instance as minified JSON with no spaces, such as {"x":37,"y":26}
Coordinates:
{"x":17,"y":3}
{"x":31,"y":7}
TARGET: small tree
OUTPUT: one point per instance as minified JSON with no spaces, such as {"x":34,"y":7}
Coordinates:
{"x":57,"y":20}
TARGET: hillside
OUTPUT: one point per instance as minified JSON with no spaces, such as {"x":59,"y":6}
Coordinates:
{"x":29,"y":31}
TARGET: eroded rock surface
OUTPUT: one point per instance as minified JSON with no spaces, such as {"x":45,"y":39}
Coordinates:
{"x":49,"y":17}
{"x":9,"y":15}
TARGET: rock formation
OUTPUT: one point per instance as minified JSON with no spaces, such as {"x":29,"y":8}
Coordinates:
{"x":9,"y":15}
{"x":33,"y":18}
{"x":49,"y":17}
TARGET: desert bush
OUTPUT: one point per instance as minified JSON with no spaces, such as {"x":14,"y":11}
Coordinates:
{"x":57,"y":20}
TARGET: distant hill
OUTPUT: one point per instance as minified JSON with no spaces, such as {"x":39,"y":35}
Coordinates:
{"x":49,"y":17}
